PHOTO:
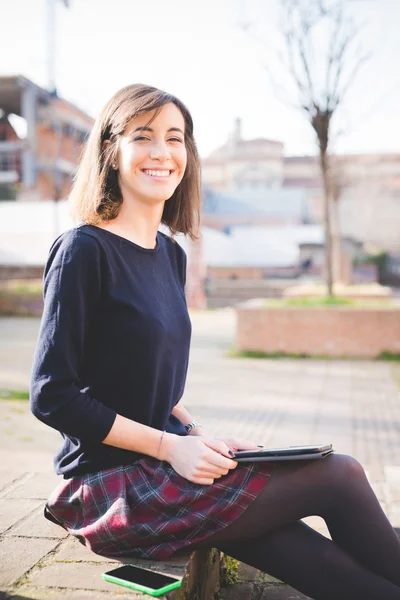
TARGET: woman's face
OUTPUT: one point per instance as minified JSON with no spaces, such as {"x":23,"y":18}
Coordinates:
{"x":151,"y":160}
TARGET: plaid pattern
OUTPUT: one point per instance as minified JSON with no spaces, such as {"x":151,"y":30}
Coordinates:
{"x":147,"y":510}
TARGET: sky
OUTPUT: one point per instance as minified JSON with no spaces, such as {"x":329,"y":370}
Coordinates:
{"x":197,"y":50}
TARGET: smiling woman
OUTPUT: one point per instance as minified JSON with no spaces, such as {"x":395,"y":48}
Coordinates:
{"x":112,"y":356}
{"x":141,"y":476}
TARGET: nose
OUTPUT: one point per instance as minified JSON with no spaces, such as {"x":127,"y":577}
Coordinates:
{"x":160,"y":152}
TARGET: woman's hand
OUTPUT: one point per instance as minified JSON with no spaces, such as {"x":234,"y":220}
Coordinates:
{"x":200,"y":459}
{"x":238,"y":443}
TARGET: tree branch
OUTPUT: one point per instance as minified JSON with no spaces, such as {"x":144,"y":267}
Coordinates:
{"x":345,"y":88}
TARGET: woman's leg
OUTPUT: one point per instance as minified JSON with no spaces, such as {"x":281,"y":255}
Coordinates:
{"x":334,"y":488}
{"x":312,"y":564}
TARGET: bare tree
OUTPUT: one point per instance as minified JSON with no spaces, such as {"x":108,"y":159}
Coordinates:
{"x":340,"y":181}
{"x":321,"y":80}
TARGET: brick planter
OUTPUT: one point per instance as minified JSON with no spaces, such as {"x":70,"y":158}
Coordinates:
{"x":331,"y":331}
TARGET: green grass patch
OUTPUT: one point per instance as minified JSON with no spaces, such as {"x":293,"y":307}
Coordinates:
{"x":14,"y":395}
{"x":233,"y":353}
{"x":330,"y":301}
{"x":383,"y":356}
{"x":386,"y":355}
{"x":22,"y":286}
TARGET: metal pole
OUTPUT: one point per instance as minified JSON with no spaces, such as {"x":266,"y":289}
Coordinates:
{"x":51,"y":44}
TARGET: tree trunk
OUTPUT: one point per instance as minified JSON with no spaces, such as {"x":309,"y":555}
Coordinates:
{"x":336,"y":242}
{"x":324,"y":162}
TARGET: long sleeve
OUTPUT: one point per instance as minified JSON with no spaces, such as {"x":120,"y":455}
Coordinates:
{"x":72,"y":291}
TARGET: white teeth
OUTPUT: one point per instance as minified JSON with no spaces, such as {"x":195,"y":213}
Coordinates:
{"x":157,"y":173}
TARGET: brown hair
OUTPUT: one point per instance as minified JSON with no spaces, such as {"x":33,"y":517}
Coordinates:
{"x":96,"y":195}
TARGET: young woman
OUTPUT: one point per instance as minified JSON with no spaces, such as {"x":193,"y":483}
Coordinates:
{"x":140,"y":476}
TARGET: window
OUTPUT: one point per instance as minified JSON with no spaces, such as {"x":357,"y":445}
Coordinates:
{"x":82,"y":137}
{"x":67,"y":130}
{"x":8,"y":161}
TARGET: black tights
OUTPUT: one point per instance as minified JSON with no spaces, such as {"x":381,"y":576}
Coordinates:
{"x":361,"y":562}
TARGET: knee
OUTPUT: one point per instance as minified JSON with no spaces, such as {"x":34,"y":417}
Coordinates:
{"x":348,"y":465}
{"x":346,"y":470}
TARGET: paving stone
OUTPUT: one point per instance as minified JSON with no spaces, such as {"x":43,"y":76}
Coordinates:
{"x":283,"y":592}
{"x":318,"y":524}
{"x":394,"y":516}
{"x":248,"y":573}
{"x":392,"y":475}
{"x":31,"y":593}
{"x":241,"y":591}
{"x":36,"y":525}
{"x":14,"y":509}
{"x":8,"y":478}
{"x":267,"y":578}
{"x":72,"y":550}
{"x":17,"y":555}
{"x":40,"y":485}
{"x":74,"y":576}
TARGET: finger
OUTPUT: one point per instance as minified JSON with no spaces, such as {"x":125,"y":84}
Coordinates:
{"x":244,"y":444}
{"x":208,"y":475}
{"x":203,"y":481}
{"x":209,"y":471}
{"x":214,"y":461}
{"x":219,"y":447}
{"x":212,"y":467}
{"x":236,"y":443}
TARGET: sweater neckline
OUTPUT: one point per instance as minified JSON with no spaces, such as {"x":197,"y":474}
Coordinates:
{"x":125,"y":242}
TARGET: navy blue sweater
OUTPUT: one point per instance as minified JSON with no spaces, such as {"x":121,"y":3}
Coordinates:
{"x":114,"y":339}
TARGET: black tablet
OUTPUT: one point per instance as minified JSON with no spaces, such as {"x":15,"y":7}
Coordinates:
{"x":288,"y":453}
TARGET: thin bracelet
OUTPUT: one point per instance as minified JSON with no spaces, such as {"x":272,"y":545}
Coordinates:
{"x":159,"y":445}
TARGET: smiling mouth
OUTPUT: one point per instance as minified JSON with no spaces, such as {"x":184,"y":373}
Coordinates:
{"x":158,"y":172}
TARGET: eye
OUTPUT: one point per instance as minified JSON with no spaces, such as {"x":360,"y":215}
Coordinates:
{"x":139,"y":138}
{"x":175,"y":139}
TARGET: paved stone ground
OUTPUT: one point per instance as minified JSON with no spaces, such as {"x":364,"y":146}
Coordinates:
{"x":354,"y":405}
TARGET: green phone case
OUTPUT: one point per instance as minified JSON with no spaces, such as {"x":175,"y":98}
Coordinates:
{"x":142,"y":588}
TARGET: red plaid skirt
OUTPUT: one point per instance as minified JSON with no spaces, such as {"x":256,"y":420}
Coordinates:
{"x":147,"y":510}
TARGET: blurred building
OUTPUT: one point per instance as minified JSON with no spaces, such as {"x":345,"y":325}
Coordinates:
{"x":252,"y":182}
{"x":38,"y":161}
{"x":368,"y":187}
{"x":261,"y":261}
{"x":243,"y":163}
{"x":246,"y":206}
